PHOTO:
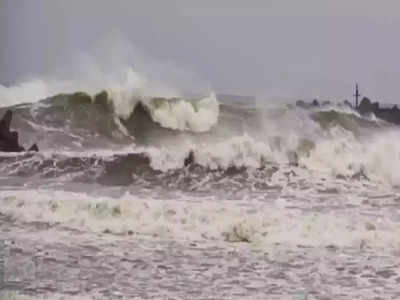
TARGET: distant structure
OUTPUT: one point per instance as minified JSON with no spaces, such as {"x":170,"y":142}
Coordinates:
{"x":357,"y":95}
{"x":387,"y":112}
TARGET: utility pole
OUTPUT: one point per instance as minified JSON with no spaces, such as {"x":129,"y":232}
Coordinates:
{"x":356,"y":95}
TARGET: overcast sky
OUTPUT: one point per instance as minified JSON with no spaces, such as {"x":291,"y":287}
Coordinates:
{"x":297,"y":48}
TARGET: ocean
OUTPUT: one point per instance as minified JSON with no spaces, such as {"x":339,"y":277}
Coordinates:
{"x":275,"y":202}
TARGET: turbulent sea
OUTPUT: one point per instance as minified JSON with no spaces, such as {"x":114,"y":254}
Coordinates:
{"x":279,"y":203}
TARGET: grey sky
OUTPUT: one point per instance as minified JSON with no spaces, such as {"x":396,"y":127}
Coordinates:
{"x":308,"y":48}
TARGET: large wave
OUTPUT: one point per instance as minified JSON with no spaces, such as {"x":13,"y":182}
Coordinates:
{"x":80,"y":119}
{"x":334,"y":141}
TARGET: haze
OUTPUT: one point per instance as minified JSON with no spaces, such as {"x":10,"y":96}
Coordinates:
{"x":271,"y":49}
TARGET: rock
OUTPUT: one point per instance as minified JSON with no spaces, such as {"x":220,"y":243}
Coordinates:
{"x":189,"y":160}
{"x":315,"y":103}
{"x":6,"y":122}
{"x":34,"y":147}
{"x":9,"y":139}
{"x":391,"y":115}
{"x":366,"y":107}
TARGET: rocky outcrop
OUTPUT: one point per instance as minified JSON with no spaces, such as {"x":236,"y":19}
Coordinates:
{"x":9,"y":139}
{"x":189,"y":160}
{"x":391,"y":115}
{"x":314,"y":104}
{"x":365,"y":108}
{"x":304,"y":104}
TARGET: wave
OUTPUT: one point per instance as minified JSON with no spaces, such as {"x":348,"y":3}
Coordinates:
{"x":88,"y":121}
{"x":348,"y":120}
{"x":263,"y":223}
{"x":140,"y":169}
{"x":174,"y":113}
{"x":234,"y":164}
{"x":333,"y":141}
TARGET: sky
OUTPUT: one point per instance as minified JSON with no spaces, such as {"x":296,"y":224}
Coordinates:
{"x":271,"y":49}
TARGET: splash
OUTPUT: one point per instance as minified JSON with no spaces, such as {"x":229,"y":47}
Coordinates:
{"x":114,"y":65}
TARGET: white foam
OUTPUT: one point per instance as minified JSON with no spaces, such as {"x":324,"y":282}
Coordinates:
{"x":378,"y":156}
{"x":125,"y":88}
{"x":178,"y":114}
{"x":196,"y":116}
{"x":207,"y":219}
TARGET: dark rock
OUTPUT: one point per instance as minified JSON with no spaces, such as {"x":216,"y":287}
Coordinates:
{"x":366,"y":107}
{"x":34,"y":147}
{"x":189,"y":160}
{"x":9,"y":139}
{"x":391,"y":115}
{"x":315,"y":103}
{"x":6,"y":122}
{"x":234,"y":170}
{"x":303,"y":104}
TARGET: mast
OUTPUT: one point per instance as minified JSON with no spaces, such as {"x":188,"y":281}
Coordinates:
{"x":357,"y":95}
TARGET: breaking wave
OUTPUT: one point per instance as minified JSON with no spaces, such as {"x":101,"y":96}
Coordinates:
{"x":122,"y":136}
{"x":263,"y":224}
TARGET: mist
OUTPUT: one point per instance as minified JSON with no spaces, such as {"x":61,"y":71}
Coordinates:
{"x":270,"y":49}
